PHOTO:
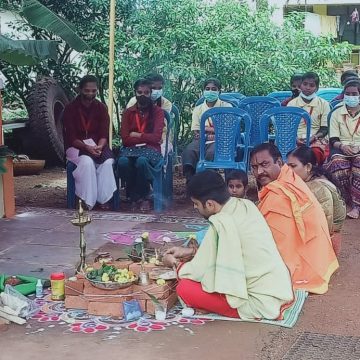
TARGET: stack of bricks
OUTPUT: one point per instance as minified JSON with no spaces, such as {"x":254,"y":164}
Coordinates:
{"x":80,"y":294}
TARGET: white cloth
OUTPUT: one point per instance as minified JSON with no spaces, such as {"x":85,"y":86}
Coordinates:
{"x":93,"y":182}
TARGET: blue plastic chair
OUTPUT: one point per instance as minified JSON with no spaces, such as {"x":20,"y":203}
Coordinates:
{"x":255,"y":106}
{"x":286,"y":122}
{"x":227,"y":125}
{"x":335,"y":103}
{"x":233,"y":98}
{"x":330,"y":114}
{"x":280,"y":95}
{"x":175,"y":125}
{"x":70,"y":189}
{"x":329,"y":94}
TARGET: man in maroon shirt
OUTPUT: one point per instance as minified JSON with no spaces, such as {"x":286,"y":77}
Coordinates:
{"x":86,"y":133}
{"x":141,"y":132}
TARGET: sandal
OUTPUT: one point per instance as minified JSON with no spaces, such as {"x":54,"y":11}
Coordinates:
{"x":104,"y":207}
{"x":145,"y":205}
{"x":354,"y":213}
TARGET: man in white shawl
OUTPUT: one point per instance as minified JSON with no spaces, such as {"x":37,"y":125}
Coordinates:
{"x":237,"y":271}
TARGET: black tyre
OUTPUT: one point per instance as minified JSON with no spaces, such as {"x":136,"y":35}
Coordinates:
{"x":46,"y":104}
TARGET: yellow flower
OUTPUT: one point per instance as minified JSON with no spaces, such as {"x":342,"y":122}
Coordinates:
{"x":145,"y":235}
{"x":152,"y":260}
{"x":88,"y":269}
{"x":160,"y":282}
{"x":105,"y":277}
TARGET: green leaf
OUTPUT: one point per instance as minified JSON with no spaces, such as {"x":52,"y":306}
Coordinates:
{"x":26,"y":52}
{"x":40,"y":16}
{"x":152,"y":297}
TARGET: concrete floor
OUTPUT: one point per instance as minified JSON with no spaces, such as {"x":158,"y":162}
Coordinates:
{"x":40,"y":241}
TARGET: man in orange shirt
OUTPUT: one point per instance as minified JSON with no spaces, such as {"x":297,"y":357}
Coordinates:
{"x":296,"y":220}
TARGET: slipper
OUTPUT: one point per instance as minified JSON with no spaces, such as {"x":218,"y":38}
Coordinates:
{"x":104,"y":207}
{"x":353,"y":214}
{"x":145,"y":205}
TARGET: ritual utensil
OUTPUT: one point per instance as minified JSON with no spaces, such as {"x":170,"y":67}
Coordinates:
{"x":81,"y":221}
{"x":144,"y":278}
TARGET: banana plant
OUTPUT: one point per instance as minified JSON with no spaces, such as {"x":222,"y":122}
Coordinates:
{"x":30,"y":52}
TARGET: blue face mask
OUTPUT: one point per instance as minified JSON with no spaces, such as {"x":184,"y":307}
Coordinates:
{"x":156,"y":94}
{"x":211,"y":96}
{"x":351,"y":101}
{"x":308,"y":97}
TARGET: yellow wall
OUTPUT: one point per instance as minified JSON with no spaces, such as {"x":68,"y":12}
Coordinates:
{"x":320,"y":9}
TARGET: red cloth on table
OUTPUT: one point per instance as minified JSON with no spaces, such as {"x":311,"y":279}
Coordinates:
{"x":129,"y":123}
{"x":194,"y":296}
{"x":95,"y":116}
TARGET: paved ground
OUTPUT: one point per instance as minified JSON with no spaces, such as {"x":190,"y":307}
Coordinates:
{"x":39,"y":241}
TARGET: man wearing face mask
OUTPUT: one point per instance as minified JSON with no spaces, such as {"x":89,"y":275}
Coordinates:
{"x":318,"y":110}
{"x":190,"y":156}
{"x":345,"y":146}
{"x":157,"y":86}
{"x":141,"y":131}
{"x":86,"y":134}
{"x":295,"y":82}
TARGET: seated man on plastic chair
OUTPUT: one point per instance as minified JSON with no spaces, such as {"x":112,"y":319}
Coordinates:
{"x":86,"y":130}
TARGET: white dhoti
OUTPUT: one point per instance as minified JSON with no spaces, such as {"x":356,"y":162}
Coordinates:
{"x":93,"y":182}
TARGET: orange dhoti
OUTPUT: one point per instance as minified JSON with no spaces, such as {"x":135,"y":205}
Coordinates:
{"x":300,"y":230}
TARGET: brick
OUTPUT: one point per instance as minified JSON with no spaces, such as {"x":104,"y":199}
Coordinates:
{"x":105,"y":309}
{"x":76,"y":302}
{"x":94,"y":294}
{"x":142,"y":305}
{"x":74,"y":288}
{"x":160,"y":292}
{"x":136,"y":267}
{"x":168,"y":303}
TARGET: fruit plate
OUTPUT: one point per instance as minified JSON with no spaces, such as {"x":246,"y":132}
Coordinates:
{"x":111,"y":285}
{"x":162,"y":273}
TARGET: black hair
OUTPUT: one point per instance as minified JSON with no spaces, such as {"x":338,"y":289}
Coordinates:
{"x":348,"y":74}
{"x":237,"y":175}
{"x":352,"y":82}
{"x":155,"y":77}
{"x":270,"y":148}
{"x":296,"y":77}
{"x":150,"y":124}
{"x":313,"y":76}
{"x":88,"y":79}
{"x":307,"y":156}
{"x":142,"y":82}
{"x":215,"y":81}
{"x":208,"y":185}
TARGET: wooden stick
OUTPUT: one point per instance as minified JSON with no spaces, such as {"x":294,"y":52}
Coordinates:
{"x":13,"y":318}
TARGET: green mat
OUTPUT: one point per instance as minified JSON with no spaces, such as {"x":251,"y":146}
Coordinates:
{"x":27,"y":287}
{"x":290,"y":315}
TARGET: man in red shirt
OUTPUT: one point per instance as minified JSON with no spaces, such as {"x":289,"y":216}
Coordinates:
{"x":86,"y":135}
{"x":141,"y":133}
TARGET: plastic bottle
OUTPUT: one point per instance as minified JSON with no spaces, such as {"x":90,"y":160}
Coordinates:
{"x":39,"y":289}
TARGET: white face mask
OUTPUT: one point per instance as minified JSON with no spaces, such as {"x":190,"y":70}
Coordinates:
{"x":156,"y":94}
{"x":351,"y":101}
{"x":308,"y":97}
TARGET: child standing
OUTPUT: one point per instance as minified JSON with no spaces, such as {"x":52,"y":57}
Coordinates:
{"x":237,"y":183}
